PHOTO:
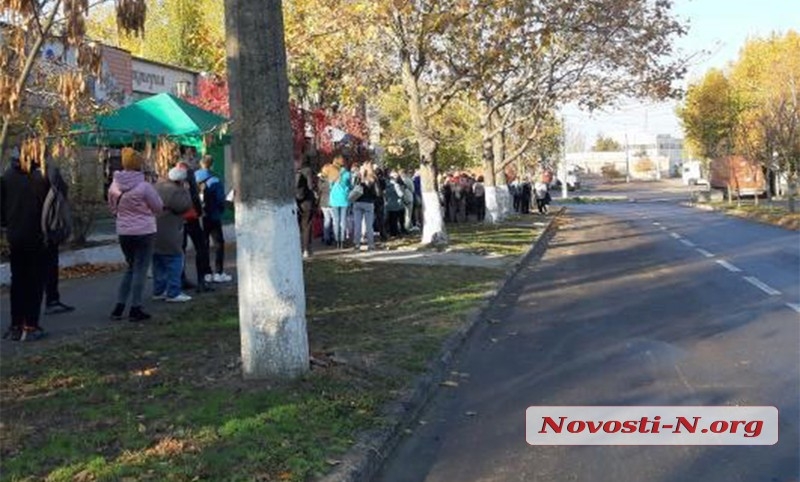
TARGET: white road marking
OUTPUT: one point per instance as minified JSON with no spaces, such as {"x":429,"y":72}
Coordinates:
{"x":762,"y":286}
{"x":656,"y":223}
{"x":663,"y":228}
{"x":675,"y":235}
{"x":688,"y":243}
{"x":728,"y":266}
{"x":794,"y":306}
{"x":705,"y":253}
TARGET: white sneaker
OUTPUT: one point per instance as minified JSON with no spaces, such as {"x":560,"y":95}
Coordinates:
{"x":209,"y":278}
{"x":160,"y":297}
{"x":221,"y":278}
{"x":181,"y":298}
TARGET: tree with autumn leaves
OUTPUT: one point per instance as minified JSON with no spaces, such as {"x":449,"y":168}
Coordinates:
{"x":39,"y":99}
{"x":526,"y":60}
{"x":752,"y":108}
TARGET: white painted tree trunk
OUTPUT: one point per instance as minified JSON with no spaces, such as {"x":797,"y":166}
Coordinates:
{"x":272,"y":306}
{"x":433,"y":226}
{"x":493,"y":211}
{"x":272,"y":302}
{"x":504,"y":201}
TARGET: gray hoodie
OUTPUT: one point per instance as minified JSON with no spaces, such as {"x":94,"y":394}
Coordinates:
{"x":176,"y":198}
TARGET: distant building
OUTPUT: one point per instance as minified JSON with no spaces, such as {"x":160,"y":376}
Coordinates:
{"x":647,"y":156}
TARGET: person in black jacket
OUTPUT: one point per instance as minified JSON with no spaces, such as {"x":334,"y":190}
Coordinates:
{"x":364,"y":206}
{"x":305,"y":198}
{"x":23,"y":189}
{"x":53,"y":304}
{"x":194,"y":230}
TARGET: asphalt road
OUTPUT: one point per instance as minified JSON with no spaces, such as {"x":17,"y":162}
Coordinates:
{"x":645,"y":303}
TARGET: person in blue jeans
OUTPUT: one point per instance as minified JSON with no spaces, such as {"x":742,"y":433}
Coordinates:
{"x":364,"y":207}
{"x":340,"y":189}
{"x":168,"y":251}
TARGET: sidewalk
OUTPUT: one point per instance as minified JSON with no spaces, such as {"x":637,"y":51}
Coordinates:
{"x":93,"y":299}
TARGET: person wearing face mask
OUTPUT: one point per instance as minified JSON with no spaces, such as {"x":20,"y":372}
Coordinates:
{"x":168,"y":252}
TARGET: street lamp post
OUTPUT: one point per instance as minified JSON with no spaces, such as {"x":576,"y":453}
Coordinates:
{"x":564,"y":189}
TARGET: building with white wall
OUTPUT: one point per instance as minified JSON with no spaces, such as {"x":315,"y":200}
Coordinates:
{"x":663,"y":147}
{"x":643,"y":155}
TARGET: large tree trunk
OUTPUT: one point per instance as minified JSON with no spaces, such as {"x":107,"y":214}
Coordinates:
{"x":504,"y":200}
{"x":493,"y":211}
{"x":272,"y":305}
{"x":433,"y":230}
{"x":791,"y":188}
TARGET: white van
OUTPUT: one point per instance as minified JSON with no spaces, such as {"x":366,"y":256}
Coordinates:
{"x":692,"y":173}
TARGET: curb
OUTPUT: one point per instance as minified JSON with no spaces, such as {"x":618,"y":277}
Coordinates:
{"x":702,"y":207}
{"x":363,"y":461}
{"x":105,"y":254}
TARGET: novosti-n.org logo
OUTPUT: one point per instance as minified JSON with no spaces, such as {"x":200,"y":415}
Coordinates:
{"x":672,"y":425}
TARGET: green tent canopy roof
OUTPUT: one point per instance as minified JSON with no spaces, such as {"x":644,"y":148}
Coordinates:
{"x":159,"y":115}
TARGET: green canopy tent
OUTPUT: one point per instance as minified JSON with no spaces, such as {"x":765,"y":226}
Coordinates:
{"x":150,"y":118}
{"x":162,"y":115}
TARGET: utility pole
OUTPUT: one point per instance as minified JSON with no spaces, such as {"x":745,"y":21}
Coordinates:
{"x":564,"y":190}
{"x":627,"y":159}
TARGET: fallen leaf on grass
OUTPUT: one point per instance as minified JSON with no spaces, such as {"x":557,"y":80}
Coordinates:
{"x":86,"y":269}
{"x":449,"y":383}
{"x":147,"y":372}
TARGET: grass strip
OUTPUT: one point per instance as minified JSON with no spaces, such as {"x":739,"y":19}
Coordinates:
{"x":776,"y":215}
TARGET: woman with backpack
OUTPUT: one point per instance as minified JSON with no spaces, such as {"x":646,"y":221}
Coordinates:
{"x":213,"y":198}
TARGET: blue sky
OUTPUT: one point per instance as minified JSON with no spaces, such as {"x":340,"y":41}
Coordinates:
{"x":719,"y":27}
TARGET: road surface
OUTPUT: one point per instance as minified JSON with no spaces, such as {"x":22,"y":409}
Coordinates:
{"x":645,"y":303}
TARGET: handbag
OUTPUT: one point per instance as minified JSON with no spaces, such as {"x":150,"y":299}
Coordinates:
{"x":355,"y":193}
{"x":191,"y":215}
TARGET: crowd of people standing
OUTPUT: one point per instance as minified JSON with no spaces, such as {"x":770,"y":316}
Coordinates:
{"x":153,"y":222}
{"x":356,"y":202}
{"x":348,"y":198}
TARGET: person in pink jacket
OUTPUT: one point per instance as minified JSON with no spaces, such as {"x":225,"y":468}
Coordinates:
{"x":135,"y":203}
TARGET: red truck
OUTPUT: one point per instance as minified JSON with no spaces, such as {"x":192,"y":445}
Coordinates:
{"x":743,"y":176}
